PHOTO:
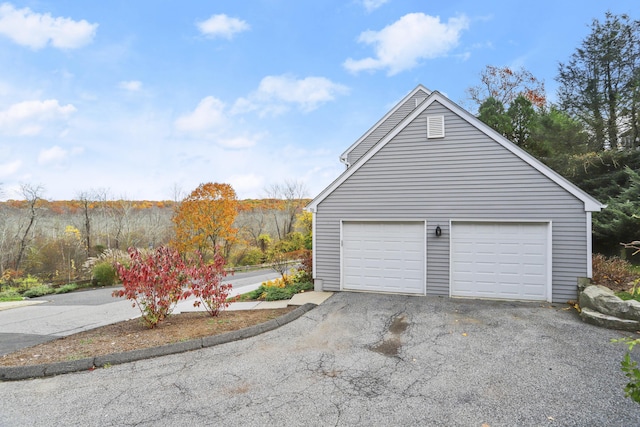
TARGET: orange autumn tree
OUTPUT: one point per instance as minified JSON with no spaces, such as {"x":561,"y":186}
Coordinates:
{"x":204,"y":220}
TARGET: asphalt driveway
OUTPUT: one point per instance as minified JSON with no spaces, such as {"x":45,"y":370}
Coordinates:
{"x":360,"y":359}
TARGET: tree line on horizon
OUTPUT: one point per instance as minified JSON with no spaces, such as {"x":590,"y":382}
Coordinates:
{"x":61,"y":241}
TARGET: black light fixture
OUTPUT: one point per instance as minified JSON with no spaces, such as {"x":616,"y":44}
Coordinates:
{"x":438,"y":231}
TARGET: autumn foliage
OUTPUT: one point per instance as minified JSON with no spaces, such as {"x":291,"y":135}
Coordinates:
{"x":155,"y":282}
{"x":505,"y":84}
{"x":206,"y":284}
{"x":205,"y":218}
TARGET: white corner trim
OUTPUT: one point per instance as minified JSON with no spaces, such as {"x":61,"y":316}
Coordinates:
{"x":313,"y":244}
{"x":589,"y":247}
{"x":550,"y":262}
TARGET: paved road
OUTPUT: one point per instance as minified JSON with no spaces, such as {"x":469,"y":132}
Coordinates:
{"x":66,"y":314}
{"x":360,"y":359}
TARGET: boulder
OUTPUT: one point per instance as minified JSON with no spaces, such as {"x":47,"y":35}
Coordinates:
{"x":595,"y":318}
{"x":602,"y":299}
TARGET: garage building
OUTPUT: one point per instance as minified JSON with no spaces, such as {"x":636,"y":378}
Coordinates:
{"x":434,"y":202}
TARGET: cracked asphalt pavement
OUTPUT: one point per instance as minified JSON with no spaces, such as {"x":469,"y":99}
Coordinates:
{"x":361,"y":359}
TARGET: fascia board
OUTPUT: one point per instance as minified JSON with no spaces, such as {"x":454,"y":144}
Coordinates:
{"x":312,"y":206}
{"x":343,"y":156}
{"x":590,"y":204}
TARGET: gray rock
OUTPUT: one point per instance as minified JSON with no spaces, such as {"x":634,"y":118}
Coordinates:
{"x":603,"y":299}
{"x":596,"y":318}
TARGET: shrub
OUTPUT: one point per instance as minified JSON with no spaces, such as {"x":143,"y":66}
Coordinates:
{"x":69,"y":287}
{"x":251,"y":256}
{"x":630,"y":369}
{"x":104,"y":274}
{"x":205,"y":283}
{"x":280,"y":282}
{"x":25,"y":284}
{"x":38,"y":291}
{"x":275,"y":293}
{"x":10,"y":294}
{"x":614,"y":273}
{"x":305,"y":272}
{"x":153,"y":282}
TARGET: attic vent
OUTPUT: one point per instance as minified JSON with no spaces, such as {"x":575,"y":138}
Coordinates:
{"x":418,"y":100}
{"x":435,"y":126}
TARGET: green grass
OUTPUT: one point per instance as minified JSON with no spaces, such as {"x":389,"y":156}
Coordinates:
{"x":10,"y":295}
{"x":625,"y":296}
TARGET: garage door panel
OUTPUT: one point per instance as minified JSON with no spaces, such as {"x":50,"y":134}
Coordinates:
{"x":499,"y":260}
{"x":384,"y":256}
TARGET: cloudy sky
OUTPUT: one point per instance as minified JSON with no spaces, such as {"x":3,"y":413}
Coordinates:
{"x":142,"y":97}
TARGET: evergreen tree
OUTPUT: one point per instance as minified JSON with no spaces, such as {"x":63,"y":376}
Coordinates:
{"x":620,"y":221}
{"x":493,"y":114}
{"x":599,"y":85}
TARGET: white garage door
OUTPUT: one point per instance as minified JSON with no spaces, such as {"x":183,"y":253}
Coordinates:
{"x":501,"y":260}
{"x":384,"y":257}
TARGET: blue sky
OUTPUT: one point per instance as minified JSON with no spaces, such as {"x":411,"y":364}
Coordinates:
{"x":141,"y":97}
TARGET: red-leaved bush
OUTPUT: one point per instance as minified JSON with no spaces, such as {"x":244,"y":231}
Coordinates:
{"x":157,"y":281}
{"x":206,"y":284}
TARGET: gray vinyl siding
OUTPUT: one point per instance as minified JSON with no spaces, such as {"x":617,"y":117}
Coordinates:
{"x":382,"y":129}
{"x":464,"y":176}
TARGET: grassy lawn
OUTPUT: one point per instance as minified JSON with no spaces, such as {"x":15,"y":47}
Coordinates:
{"x":628,"y":296}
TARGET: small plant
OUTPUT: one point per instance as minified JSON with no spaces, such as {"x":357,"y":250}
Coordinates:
{"x":614,"y":273}
{"x":25,"y":284}
{"x":69,"y":287}
{"x":275,"y":293}
{"x":280,"y":282}
{"x":104,"y":274}
{"x":38,"y":291}
{"x":630,"y":369}
{"x":10,"y":294}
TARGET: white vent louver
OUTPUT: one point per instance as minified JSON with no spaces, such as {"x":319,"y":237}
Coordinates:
{"x":435,"y":126}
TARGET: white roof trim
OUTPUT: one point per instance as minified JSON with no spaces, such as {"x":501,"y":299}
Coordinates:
{"x":343,"y":156}
{"x":590,"y":204}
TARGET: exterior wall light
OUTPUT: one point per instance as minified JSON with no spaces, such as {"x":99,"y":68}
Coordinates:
{"x":438,"y":231}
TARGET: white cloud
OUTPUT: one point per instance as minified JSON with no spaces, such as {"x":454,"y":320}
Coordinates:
{"x":54,"y":154}
{"x":29,"y":118}
{"x":276,"y":93}
{"x":372,"y":5}
{"x":10,"y":168}
{"x":401,"y":45}
{"x":209,"y":116}
{"x":131,"y":85}
{"x":209,"y":120}
{"x":36,"y":30}
{"x":239,"y":141}
{"x":222,"y":26}
{"x":246,"y":184}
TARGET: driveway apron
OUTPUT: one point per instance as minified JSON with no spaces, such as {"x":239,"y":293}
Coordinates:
{"x":361,"y":359}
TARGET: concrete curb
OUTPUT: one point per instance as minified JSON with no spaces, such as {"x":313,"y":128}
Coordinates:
{"x":15,"y":373}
